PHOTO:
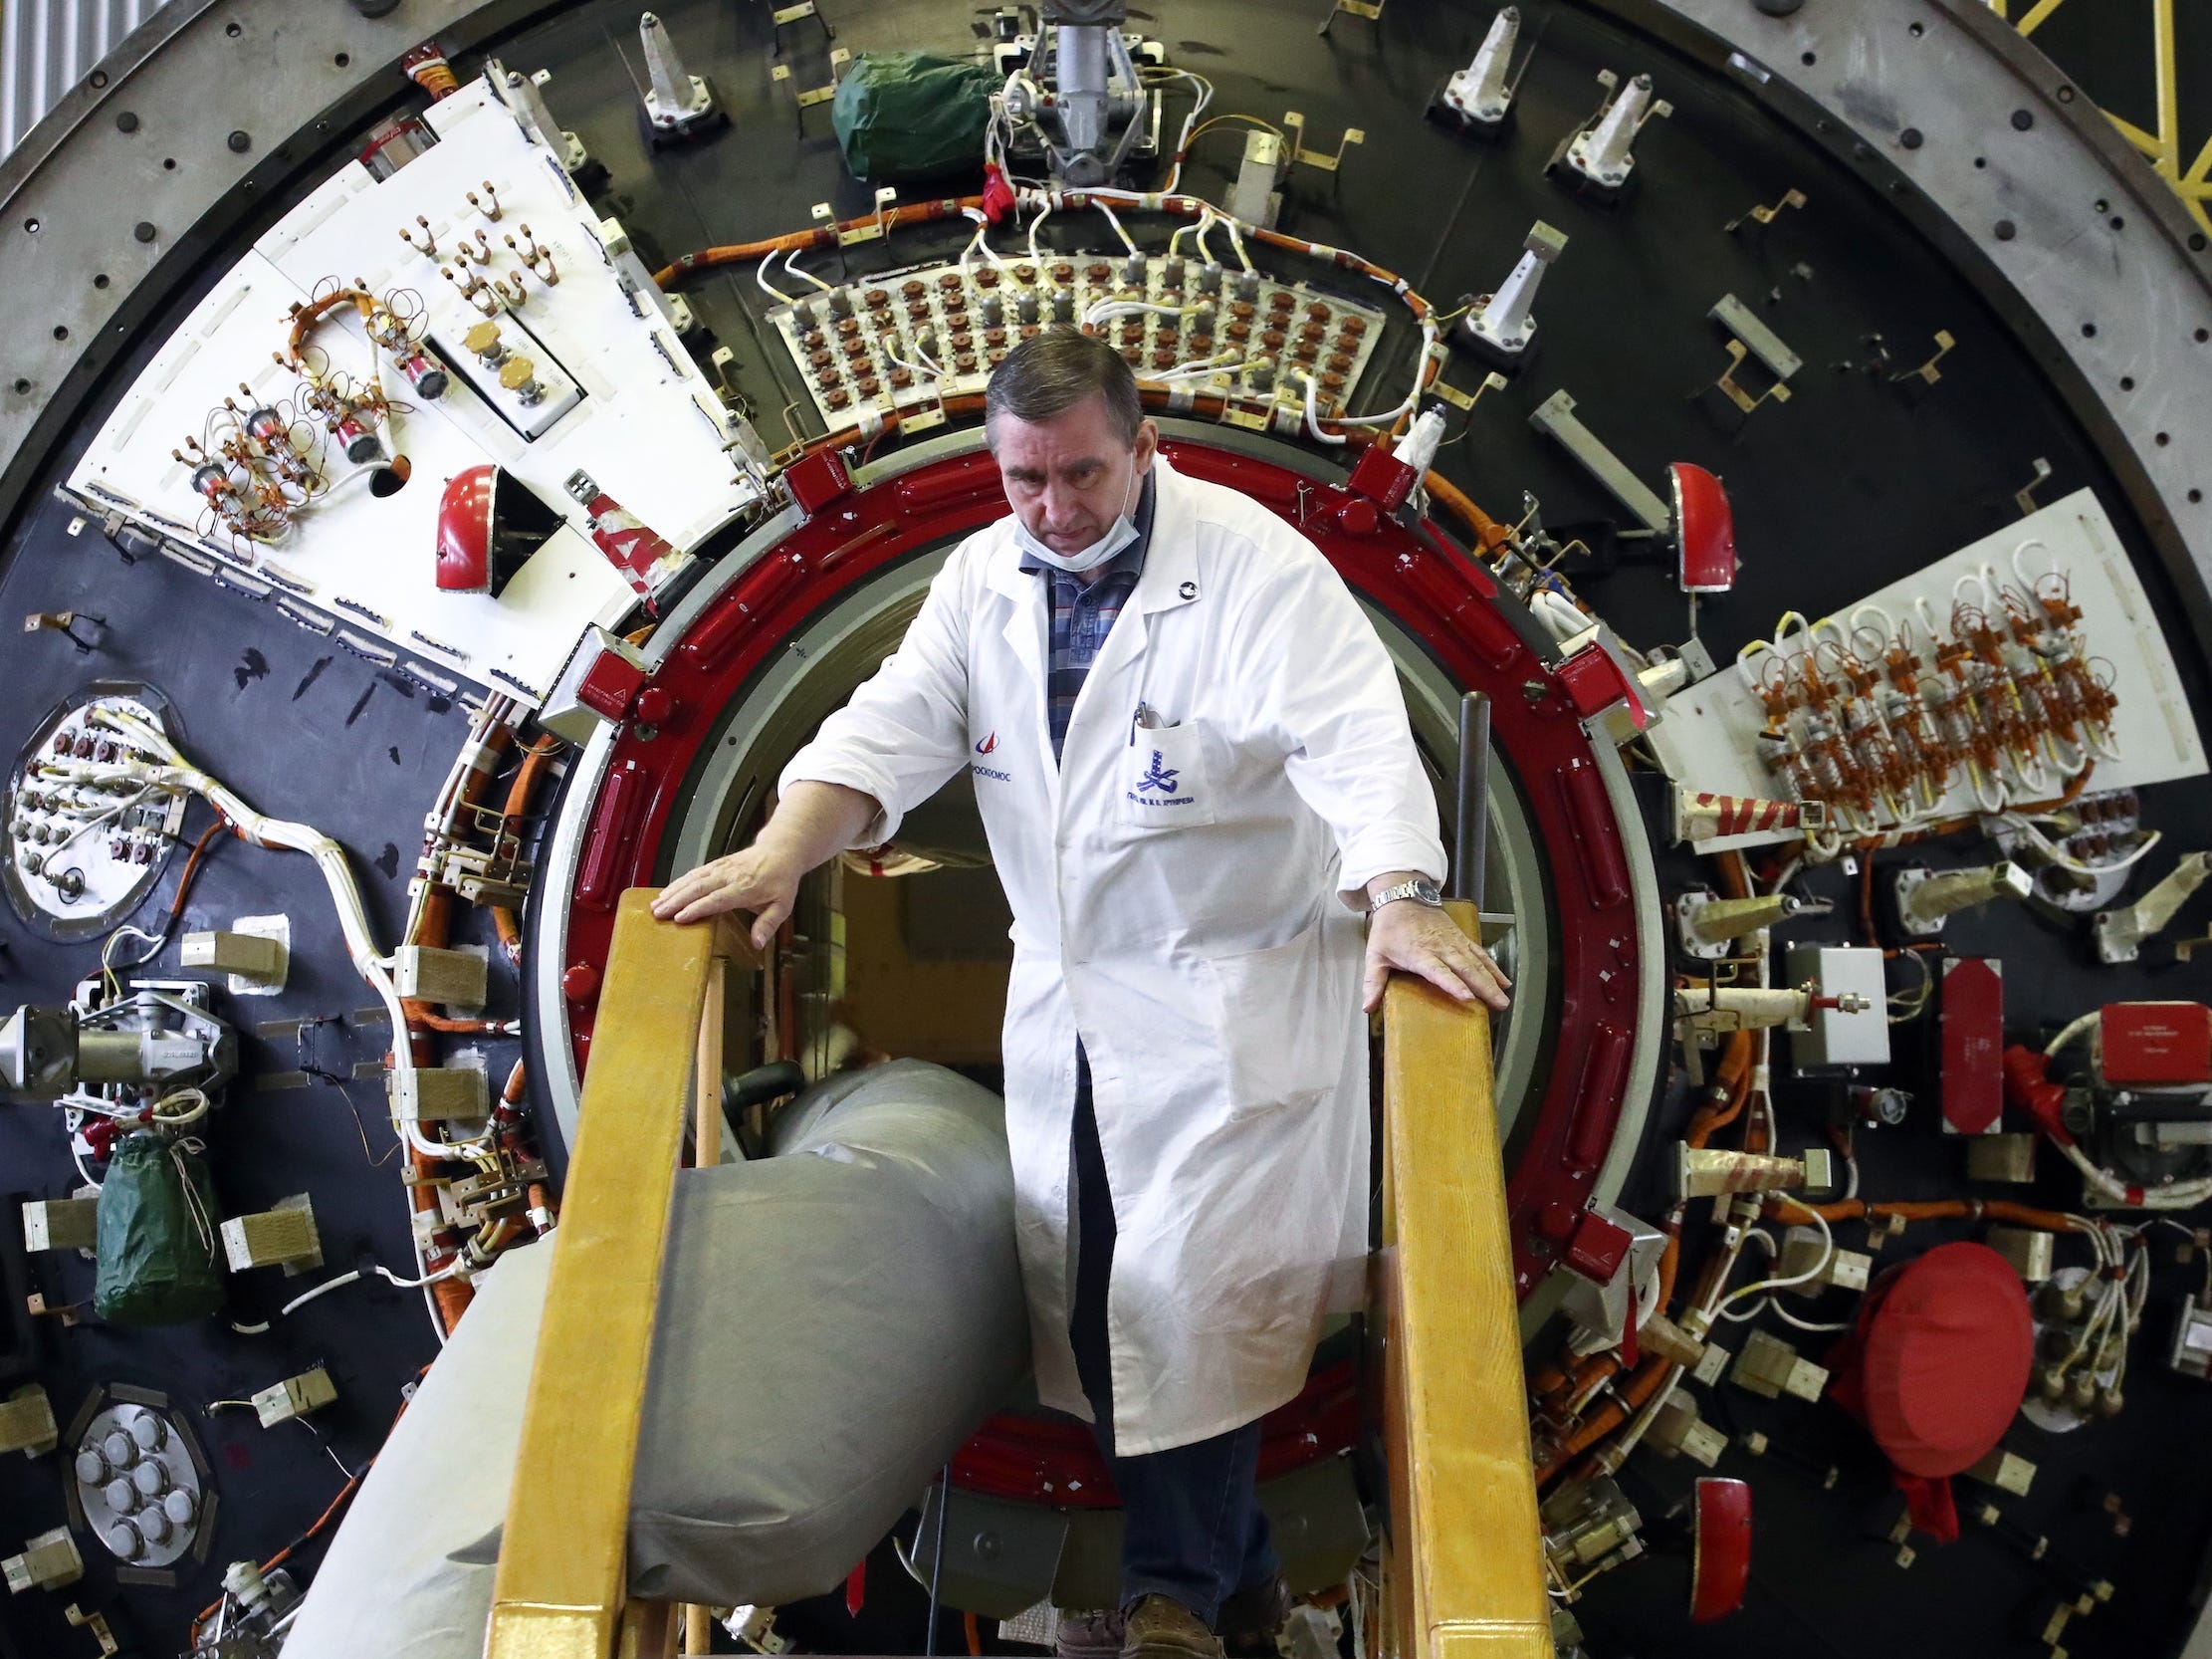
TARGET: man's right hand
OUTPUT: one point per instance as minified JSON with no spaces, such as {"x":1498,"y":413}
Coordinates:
{"x":757,"y":879}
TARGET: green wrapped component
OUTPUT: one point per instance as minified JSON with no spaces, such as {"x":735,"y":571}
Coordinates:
{"x":905,"y":116}
{"x":159,"y":1235}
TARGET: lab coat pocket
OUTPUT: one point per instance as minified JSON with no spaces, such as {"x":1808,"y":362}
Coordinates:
{"x":1165,"y":780}
{"x":1279,"y":1025}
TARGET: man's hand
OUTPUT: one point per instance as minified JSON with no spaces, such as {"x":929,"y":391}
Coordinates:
{"x":806,"y":829}
{"x":1424,"y":940}
{"x":760,"y":879}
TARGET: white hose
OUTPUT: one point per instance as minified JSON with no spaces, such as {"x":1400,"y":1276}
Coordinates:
{"x":344,"y":1279}
{"x":329,"y":857}
{"x":791,"y":264}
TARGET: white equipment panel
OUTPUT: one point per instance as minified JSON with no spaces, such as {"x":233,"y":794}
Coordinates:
{"x":1711,"y":738}
{"x":622,"y":401}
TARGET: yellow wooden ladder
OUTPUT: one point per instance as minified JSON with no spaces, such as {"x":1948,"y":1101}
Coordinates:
{"x":559,"y":1591}
{"x":1463,"y":1571}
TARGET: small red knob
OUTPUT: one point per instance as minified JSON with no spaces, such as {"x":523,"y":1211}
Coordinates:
{"x":581,"y":982}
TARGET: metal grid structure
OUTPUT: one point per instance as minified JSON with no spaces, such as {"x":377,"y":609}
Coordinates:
{"x":2163,"y":148}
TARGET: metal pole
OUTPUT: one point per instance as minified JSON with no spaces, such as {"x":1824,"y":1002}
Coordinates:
{"x":937,"y":1554}
{"x":1471,"y":834}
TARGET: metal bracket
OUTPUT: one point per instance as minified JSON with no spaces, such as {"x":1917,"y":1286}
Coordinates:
{"x":1735,"y":395}
{"x":1372,"y":10}
{"x":1294,"y":128}
{"x":1555,"y":418}
{"x":2025,"y":496}
{"x":1765,"y":215}
{"x":1493,"y":382}
{"x":1751,"y":337}
{"x":1927,"y":372}
{"x":95,"y":1626}
{"x":780,"y":74}
{"x":794,"y":14}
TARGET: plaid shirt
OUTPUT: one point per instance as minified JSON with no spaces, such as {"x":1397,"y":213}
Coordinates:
{"x":1083,"y":614}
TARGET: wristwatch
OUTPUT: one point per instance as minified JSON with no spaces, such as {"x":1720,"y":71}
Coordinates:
{"x":1420,"y":890}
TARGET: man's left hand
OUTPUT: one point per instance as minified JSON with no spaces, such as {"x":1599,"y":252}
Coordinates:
{"x":1421,"y":939}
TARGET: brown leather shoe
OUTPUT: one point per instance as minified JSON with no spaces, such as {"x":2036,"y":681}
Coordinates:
{"x":1253,"y":1617}
{"x":1158,"y":1628}
{"x":1089,"y":1635}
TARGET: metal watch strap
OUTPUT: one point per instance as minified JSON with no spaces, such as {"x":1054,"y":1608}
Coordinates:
{"x":1389,"y":895}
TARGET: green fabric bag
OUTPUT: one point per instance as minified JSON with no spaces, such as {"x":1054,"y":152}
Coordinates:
{"x":157,"y":1235}
{"x":904,"y":116}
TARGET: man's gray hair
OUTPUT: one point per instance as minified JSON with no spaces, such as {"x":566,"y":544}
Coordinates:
{"x":1050,"y":373}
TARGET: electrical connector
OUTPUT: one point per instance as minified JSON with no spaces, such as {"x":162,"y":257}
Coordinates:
{"x":285,"y":1237}
{"x":60,"y":1223}
{"x":27,"y":1422}
{"x":1805,"y":1249}
{"x":1770,"y":1367}
{"x":48,"y":1562}
{"x":298,"y":1396}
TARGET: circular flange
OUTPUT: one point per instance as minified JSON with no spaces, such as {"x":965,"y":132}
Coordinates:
{"x":632,"y":811}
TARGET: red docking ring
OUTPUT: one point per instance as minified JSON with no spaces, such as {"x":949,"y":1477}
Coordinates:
{"x":1439,"y":595}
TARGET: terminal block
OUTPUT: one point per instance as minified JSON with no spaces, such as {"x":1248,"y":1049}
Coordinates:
{"x":48,"y":1562}
{"x":1771,"y":1367}
{"x":1840,"y":1270}
{"x":2028,"y":1248}
{"x":285,"y":1237}
{"x":434,"y":1092}
{"x":27,"y":1422}
{"x":1677,"y":1431}
{"x":253,"y":957}
{"x":61,"y":1223}
{"x":455,"y":978}
{"x":2006,"y":1471}
{"x":298,"y":1396}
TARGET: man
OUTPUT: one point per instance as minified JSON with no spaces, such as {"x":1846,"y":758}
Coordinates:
{"x":1184,"y":736}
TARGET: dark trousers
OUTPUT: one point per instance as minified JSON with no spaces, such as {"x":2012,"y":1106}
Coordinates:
{"x":1192,"y":1529}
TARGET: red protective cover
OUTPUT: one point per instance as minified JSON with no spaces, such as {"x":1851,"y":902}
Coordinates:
{"x":2155,"y":1045}
{"x":1720,"y":1555}
{"x":1594,"y":679}
{"x":465,"y":531}
{"x":1704,"y":529}
{"x":609,"y":685}
{"x":1936,"y":1368}
{"x":1597,"y":1248}
{"x":1383,"y":478}
{"x":1973,"y":1041}
{"x":816,"y":480}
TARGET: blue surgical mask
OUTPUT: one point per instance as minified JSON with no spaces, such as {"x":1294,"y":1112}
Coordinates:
{"x":1118,"y":536}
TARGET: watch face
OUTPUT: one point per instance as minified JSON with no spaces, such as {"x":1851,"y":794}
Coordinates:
{"x":1426,"y":890}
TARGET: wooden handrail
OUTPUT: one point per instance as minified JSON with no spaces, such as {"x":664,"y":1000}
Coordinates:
{"x":560,"y":1591}
{"x":1464,"y":1571}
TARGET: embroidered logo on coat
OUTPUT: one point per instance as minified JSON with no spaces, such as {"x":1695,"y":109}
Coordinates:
{"x":1160,"y":776}
{"x":988,"y":745}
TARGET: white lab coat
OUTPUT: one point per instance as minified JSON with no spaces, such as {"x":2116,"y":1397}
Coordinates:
{"x":1173,"y":892}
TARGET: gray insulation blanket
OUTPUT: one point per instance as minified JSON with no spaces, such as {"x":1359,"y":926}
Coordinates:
{"x":834,"y":1321}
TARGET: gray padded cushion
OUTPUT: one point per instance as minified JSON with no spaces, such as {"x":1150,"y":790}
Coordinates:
{"x":834,"y":1321}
